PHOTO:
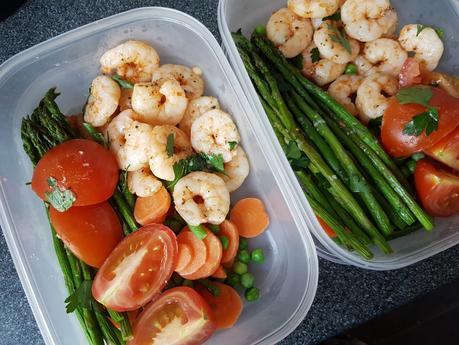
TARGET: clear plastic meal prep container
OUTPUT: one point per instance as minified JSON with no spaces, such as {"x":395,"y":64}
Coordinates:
{"x":246,"y":15}
{"x":288,"y":278}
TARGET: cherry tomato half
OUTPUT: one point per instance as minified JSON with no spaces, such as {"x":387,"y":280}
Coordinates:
{"x":86,"y":168}
{"x":179,"y":316}
{"x":438,"y":189}
{"x":447,"y":150}
{"x":137,"y":269}
{"x":410,"y":73}
{"x":90,"y":232}
{"x":398,"y":115}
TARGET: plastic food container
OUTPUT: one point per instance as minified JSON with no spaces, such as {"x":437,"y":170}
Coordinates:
{"x":236,"y":14}
{"x":288,"y":278}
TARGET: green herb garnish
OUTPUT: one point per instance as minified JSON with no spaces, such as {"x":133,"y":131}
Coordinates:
{"x":339,"y":37}
{"x":232,"y":145}
{"x":315,"y":54}
{"x":80,"y":298}
{"x":170,"y":145}
{"x":427,"y":120}
{"x":60,"y":198}
{"x":122,"y":83}
{"x":335,"y":16}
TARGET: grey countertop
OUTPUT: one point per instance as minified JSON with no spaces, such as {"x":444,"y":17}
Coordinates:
{"x":346,"y":296}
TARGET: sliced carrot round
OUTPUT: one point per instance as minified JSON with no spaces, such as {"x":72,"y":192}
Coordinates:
{"x":226,"y":307}
{"x":230,"y":231}
{"x":219,"y":273}
{"x":250,"y":217}
{"x":213,"y":259}
{"x":198,"y":252}
{"x":152,"y":209}
{"x":184,"y":256}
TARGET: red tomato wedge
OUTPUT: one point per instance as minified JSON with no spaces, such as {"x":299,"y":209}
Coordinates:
{"x":213,"y":258}
{"x":397,"y":116}
{"x":86,"y":168}
{"x":226,"y":307}
{"x":90,"y":232}
{"x":410,"y":73}
{"x":137,"y":269}
{"x":329,"y":231}
{"x":179,"y":316}
{"x":447,"y":150}
{"x":198,"y":252}
{"x":438,"y":189}
{"x":229,"y":230}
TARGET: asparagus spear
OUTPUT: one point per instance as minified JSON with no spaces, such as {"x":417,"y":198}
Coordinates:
{"x":356,"y":181}
{"x":286,"y":126}
{"x":44,"y":129}
{"x":390,"y":195}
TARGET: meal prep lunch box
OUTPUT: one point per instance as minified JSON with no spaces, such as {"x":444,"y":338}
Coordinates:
{"x":246,"y":15}
{"x":288,"y":278}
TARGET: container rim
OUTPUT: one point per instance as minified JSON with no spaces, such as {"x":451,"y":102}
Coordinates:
{"x":327,"y":249}
{"x":7,"y":221}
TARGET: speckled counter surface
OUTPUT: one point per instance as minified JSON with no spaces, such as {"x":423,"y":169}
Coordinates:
{"x":345,"y":297}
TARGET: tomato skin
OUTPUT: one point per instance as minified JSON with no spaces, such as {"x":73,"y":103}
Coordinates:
{"x":84,"y":166}
{"x":410,"y":73}
{"x":446,"y":150}
{"x":397,"y":116}
{"x":180,"y":302}
{"x":329,"y":231}
{"x":90,"y":232}
{"x":438,"y":189}
{"x":137,"y":269}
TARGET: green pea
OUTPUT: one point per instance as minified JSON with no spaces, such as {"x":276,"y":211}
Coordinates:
{"x":258,"y":256}
{"x":243,"y":243}
{"x":233,"y":279}
{"x":247,"y":280}
{"x":244,"y":256}
{"x":350,"y":69}
{"x":260,"y":30}
{"x":252,"y":294}
{"x":239,"y":267}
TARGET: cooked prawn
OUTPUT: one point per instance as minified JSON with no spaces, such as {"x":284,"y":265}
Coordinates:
{"x":191,"y":82}
{"x":367,"y":20}
{"x":161,"y":160}
{"x":427,"y":46}
{"x":125,"y":99}
{"x":289,"y":32}
{"x":197,"y":107}
{"x":143,"y":183}
{"x":215,"y":133}
{"x":134,"y":61}
{"x":386,"y":54}
{"x":313,"y":8}
{"x":103,"y":101}
{"x":364,"y":67}
{"x":159,"y":103}
{"x":372,"y":100}
{"x":236,"y":170}
{"x":201,"y":197}
{"x":323,"y":71}
{"x":332,"y":50}
{"x":129,"y":141}
{"x":344,"y":89}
